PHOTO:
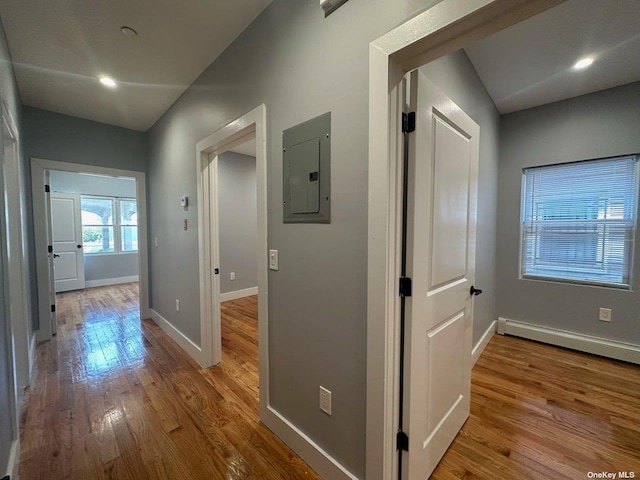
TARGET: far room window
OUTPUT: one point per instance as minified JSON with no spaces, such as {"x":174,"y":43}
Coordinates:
{"x":579,"y":221}
{"x":109,"y":225}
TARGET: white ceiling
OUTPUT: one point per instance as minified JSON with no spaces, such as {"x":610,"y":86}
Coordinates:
{"x":530,"y":63}
{"x":60,"y":47}
{"x":247,"y":148}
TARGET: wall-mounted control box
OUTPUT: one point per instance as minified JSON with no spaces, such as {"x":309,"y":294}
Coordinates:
{"x":306,"y":168}
{"x":184,"y":201}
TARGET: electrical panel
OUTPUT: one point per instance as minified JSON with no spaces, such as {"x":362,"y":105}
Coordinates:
{"x":307,"y":171}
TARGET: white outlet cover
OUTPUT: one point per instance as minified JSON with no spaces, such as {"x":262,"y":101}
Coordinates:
{"x":604,"y":315}
{"x":232,"y":276}
{"x":325,"y":400}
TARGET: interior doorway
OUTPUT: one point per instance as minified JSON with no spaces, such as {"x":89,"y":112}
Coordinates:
{"x":249,"y":128}
{"x":238,"y":261}
{"x":91,"y":232}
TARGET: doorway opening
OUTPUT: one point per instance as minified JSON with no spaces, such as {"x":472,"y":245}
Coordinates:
{"x":238,"y":262}
{"x":214,"y":154}
{"x":94,"y":234}
{"x":91,"y":243}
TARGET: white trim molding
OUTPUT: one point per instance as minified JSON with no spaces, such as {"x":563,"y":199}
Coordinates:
{"x":14,"y":460}
{"x":626,"y":352}
{"x":483,"y":342}
{"x":247,"y":292}
{"x":110,"y":281}
{"x":437,"y":31}
{"x":177,"y":336}
{"x":317,"y":458}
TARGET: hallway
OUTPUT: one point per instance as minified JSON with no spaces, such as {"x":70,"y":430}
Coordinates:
{"x":114,"y":397}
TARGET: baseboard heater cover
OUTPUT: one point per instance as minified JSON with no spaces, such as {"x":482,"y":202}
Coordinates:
{"x":576,"y":341}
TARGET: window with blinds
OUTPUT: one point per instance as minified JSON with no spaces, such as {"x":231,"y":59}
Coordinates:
{"x":579,"y":221}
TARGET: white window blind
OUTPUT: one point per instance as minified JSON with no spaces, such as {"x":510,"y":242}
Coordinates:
{"x":579,"y":221}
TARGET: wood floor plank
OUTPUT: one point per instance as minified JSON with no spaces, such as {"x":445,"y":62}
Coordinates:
{"x":115,"y":398}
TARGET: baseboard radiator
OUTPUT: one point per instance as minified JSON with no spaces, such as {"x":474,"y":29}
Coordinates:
{"x":584,"y":343}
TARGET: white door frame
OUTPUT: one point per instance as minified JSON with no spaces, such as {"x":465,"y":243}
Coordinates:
{"x":20,"y":306}
{"x":438,"y":31}
{"x":38,"y":168}
{"x":207,"y":150}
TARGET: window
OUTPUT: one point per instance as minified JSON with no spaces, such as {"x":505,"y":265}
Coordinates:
{"x":579,"y":221}
{"x":109,"y":225}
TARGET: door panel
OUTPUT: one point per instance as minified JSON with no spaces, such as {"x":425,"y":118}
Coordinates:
{"x":66,"y":227}
{"x":441,"y":219}
{"x":450,"y":203}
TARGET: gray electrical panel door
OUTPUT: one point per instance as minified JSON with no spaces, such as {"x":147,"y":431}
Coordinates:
{"x":306,"y":171}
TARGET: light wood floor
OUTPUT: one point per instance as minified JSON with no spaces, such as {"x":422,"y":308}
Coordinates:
{"x":115,"y":398}
{"x":543,"y":412}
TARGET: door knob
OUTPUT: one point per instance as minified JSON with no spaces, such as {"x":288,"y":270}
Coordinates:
{"x":79,"y":246}
{"x":474,"y":291}
{"x":55,"y":255}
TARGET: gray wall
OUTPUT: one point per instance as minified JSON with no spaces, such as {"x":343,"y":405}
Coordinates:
{"x":300,"y":64}
{"x":598,"y":125}
{"x":9,"y":92}
{"x":457,"y":78}
{"x":100,"y":267}
{"x":238,"y":216}
{"x":52,"y":136}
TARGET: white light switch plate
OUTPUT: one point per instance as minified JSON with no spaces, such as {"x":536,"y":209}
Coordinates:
{"x":273,"y":259}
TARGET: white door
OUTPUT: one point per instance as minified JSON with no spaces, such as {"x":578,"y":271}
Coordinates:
{"x":442,"y":196}
{"x":66,"y":227}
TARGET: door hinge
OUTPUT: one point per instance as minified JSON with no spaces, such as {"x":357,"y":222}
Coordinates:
{"x":408,"y":122}
{"x":402,"y":441}
{"x":47,"y":188}
{"x":50,"y":249}
{"x":53,"y":308}
{"x":405,"y":287}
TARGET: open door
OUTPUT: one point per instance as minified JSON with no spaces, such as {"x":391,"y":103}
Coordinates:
{"x":66,"y":227}
{"x":50,"y":256}
{"x":440,"y":260}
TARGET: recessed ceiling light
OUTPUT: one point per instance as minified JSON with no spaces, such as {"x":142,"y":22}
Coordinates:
{"x":128,"y":32}
{"x":583,"y":63}
{"x":108,"y":81}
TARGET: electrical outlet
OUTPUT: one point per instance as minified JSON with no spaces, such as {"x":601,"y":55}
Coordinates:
{"x":232,"y":276}
{"x":605,"y":315}
{"x":177,"y":305}
{"x":325,"y":400}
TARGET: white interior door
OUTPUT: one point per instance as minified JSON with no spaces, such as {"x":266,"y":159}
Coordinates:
{"x":66,"y":227}
{"x":442,"y":197}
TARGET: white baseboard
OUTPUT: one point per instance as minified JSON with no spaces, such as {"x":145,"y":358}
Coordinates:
{"x":177,"y":336}
{"x":110,"y":281}
{"x":247,"y":292}
{"x":33,"y":344}
{"x":14,"y":460}
{"x":585,"y":343}
{"x":321,"y":462}
{"x":483,"y":342}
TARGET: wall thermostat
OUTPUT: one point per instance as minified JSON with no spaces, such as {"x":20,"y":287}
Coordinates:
{"x":184,"y":201}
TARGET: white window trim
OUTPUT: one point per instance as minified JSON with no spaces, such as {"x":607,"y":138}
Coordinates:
{"x":117,"y":226}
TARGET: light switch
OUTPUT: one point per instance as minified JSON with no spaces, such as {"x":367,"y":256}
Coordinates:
{"x":273,"y":259}
{"x":184,"y":201}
